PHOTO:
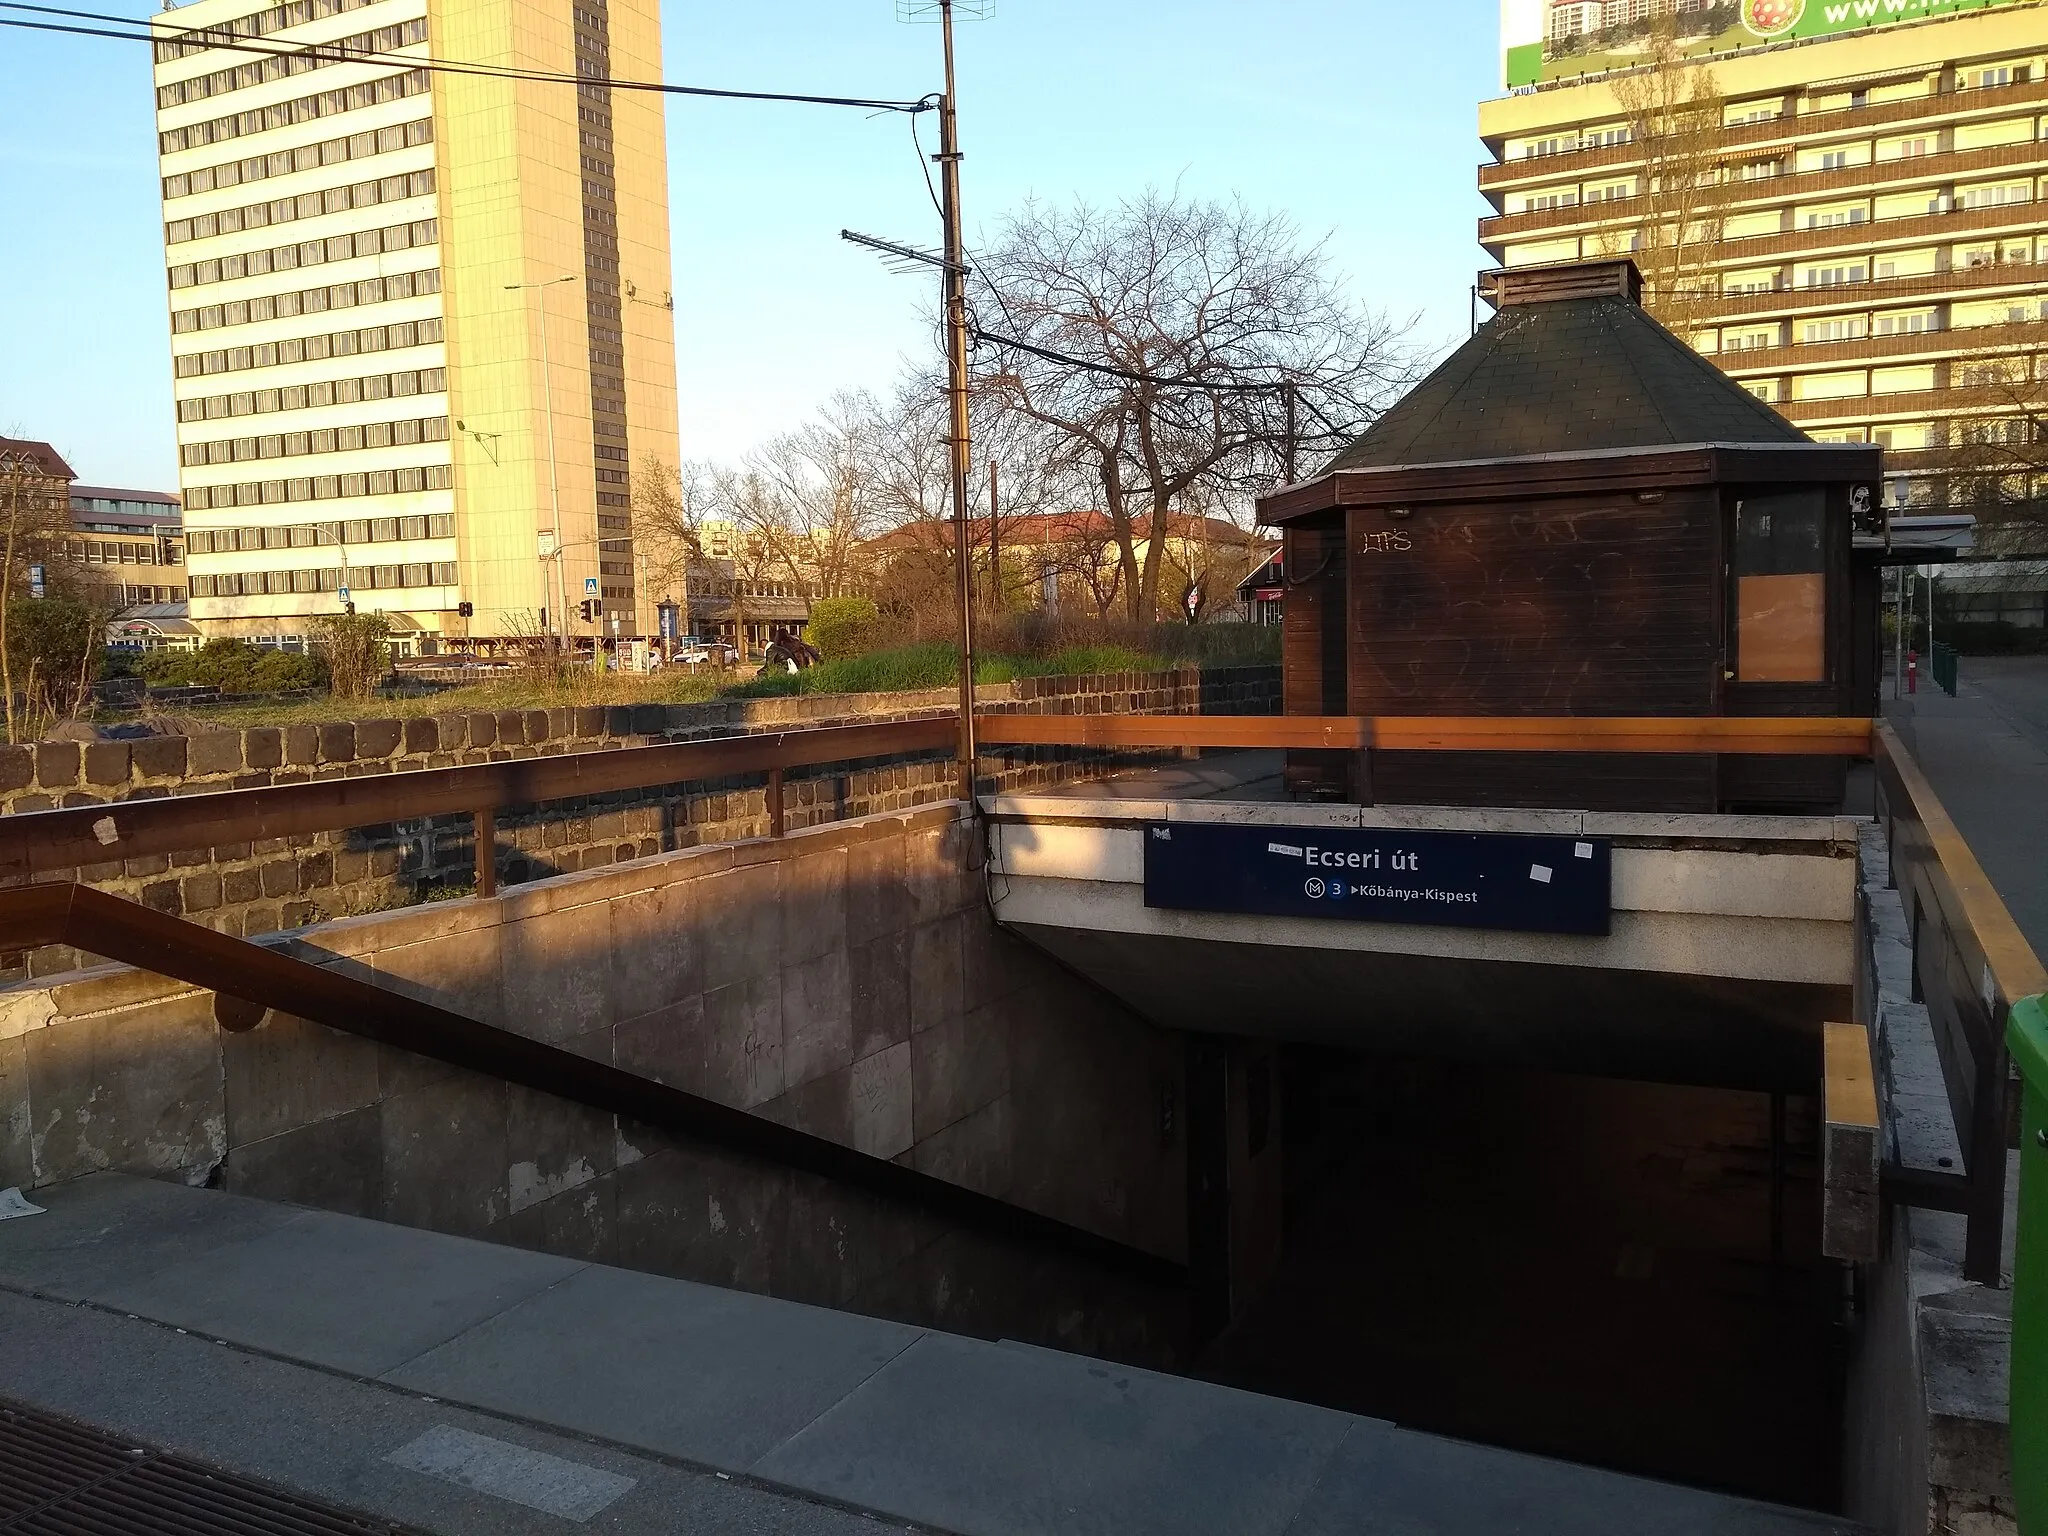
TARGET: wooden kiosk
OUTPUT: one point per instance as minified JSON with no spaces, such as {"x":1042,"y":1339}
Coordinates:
{"x":1576,"y":514}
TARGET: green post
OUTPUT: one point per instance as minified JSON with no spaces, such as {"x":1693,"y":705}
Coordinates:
{"x":2027,"y":1034}
{"x":1942,"y":659}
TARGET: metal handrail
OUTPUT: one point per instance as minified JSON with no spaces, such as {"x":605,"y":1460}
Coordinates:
{"x":49,"y":844}
{"x":250,"y":978}
{"x":1971,"y":964}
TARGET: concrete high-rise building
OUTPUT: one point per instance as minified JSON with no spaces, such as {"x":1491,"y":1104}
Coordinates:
{"x":369,"y":262}
{"x":1866,"y":236}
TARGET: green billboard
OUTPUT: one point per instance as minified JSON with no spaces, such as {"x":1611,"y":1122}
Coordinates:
{"x":1561,"y":39}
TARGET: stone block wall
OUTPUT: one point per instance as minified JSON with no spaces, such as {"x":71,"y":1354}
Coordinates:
{"x":286,"y":883}
{"x":848,"y":980}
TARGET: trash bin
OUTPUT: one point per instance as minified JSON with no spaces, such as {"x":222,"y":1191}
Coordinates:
{"x":2027,"y":1035}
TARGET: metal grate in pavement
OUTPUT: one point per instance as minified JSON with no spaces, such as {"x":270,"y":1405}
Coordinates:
{"x":58,"y":1478}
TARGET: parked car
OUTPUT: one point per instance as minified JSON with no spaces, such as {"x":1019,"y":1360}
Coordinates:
{"x":690,"y":651}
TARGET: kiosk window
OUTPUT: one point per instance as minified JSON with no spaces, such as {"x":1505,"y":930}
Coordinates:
{"x":1780,"y":589}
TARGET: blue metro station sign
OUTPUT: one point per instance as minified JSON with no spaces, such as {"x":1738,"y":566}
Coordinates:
{"x":1527,"y":883}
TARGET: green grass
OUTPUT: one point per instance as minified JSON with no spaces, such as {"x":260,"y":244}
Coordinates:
{"x":529,"y":690}
{"x":935,"y":664}
{"x":900,"y":669}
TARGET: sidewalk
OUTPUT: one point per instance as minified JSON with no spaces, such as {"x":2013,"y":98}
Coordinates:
{"x":465,"y":1387}
{"x":1986,"y":753}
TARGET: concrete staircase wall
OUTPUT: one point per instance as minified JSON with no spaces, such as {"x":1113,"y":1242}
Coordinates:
{"x":847,"y":980}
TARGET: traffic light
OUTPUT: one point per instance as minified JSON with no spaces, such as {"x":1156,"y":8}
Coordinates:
{"x":592,"y":609}
{"x":465,"y":610}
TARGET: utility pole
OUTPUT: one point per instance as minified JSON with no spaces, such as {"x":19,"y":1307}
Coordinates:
{"x":956,"y":379}
{"x":1287,"y":453}
{"x":995,"y":545}
{"x":547,"y":389}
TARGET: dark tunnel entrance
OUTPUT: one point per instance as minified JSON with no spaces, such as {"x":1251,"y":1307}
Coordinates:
{"x":1571,"y":1266}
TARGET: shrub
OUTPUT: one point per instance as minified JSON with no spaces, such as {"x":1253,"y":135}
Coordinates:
{"x":841,"y":627}
{"x":284,"y":672}
{"x":53,"y":647}
{"x":356,"y":649}
{"x":232,"y":666}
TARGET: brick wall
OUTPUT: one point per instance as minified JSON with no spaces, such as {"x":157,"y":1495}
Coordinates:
{"x":283,"y":883}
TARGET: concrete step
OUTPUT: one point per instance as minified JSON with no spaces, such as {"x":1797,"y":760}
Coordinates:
{"x":463,"y":1386}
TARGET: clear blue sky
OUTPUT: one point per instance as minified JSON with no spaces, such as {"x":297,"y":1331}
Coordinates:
{"x":1357,"y":119}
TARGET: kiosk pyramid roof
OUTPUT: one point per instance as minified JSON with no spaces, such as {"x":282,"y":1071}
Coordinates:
{"x":1570,"y":364}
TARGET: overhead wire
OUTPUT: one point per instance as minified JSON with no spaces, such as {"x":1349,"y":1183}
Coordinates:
{"x":209,"y":37}
{"x":1183,"y":381}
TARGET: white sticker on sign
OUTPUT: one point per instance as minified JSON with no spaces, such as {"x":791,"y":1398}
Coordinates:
{"x":1540,"y":872}
{"x":1582,"y":850}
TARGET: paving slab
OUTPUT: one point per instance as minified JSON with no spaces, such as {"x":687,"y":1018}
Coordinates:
{"x":338,"y":1291}
{"x":518,"y":1474}
{"x":99,"y":1231}
{"x":988,"y":1441}
{"x":331,"y":1438}
{"x":706,"y":1375}
{"x":1395,"y":1482}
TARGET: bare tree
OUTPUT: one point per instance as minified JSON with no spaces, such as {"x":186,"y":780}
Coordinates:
{"x":669,"y":504}
{"x":748,"y":542}
{"x":1209,"y":555}
{"x":827,"y":479}
{"x":1677,"y":118}
{"x":1153,"y":341}
{"x":1990,"y":457}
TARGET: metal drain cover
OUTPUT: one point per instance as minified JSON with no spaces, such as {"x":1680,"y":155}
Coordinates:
{"x":58,"y":1478}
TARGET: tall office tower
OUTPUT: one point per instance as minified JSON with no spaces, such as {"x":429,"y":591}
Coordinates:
{"x":420,"y":321}
{"x":1865,"y":238}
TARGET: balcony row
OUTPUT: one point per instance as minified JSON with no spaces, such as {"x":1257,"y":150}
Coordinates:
{"x":1850,"y":241}
{"x":1800,"y":186}
{"x":1788,"y":300}
{"x":1927,"y":345}
{"x":1787,"y":130}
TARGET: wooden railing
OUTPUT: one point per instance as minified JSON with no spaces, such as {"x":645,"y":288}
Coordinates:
{"x":1776,"y":736}
{"x":1971,"y":963}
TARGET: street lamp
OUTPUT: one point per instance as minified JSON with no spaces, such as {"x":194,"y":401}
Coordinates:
{"x":547,"y":385}
{"x":346,"y":594}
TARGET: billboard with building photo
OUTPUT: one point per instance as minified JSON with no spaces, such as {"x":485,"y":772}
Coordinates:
{"x":1562,"y":39}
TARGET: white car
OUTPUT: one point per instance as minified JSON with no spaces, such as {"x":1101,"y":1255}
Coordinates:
{"x":692,"y":652}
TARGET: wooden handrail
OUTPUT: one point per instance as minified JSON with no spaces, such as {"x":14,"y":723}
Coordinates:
{"x":258,"y":977}
{"x":1970,"y":903}
{"x":1337,"y":732}
{"x":1826,"y":736}
{"x":1971,"y":963}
